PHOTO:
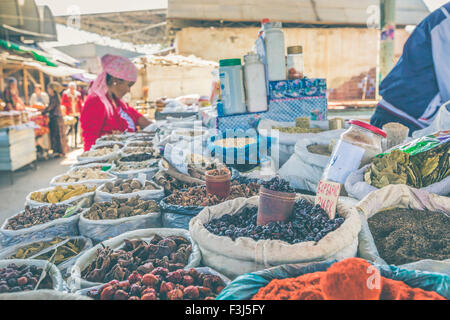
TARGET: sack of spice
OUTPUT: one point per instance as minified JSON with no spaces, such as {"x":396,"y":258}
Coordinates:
{"x":423,"y":164}
{"x":119,"y":188}
{"x":181,"y":206}
{"x":34,"y":224}
{"x":105,"y":220}
{"x":86,"y":174}
{"x":392,"y":286}
{"x":129,"y":170}
{"x":406,"y":227}
{"x":233,"y":257}
{"x":67,"y":251}
{"x":78,"y":194}
{"x":312,"y":154}
{"x":124,"y":243}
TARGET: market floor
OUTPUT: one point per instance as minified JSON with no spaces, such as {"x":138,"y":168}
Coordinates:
{"x":26,"y":180}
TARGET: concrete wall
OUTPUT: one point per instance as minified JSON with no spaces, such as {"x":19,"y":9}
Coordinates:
{"x":341,"y":55}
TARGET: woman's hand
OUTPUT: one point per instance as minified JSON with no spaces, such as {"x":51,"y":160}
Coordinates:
{"x":143,"y":122}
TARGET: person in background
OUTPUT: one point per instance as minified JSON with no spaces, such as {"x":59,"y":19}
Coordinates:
{"x":71,"y":100}
{"x":39,"y":97}
{"x":11,"y":96}
{"x":104,"y":112}
{"x":56,"y":121}
{"x":419,"y":84}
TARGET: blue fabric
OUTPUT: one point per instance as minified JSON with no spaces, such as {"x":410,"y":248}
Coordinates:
{"x":412,"y":84}
{"x":246,"y":286}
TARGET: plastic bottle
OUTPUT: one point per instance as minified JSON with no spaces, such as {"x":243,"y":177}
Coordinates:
{"x":255,"y":83}
{"x":275,"y":54}
{"x":232,"y":86}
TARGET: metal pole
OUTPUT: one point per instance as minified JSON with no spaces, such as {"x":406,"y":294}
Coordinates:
{"x":387,"y":25}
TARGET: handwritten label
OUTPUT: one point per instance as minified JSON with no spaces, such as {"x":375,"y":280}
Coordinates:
{"x":327,"y":196}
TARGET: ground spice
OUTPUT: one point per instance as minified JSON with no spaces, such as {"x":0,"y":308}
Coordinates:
{"x":404,"y":235}
{"x":344,"y":280}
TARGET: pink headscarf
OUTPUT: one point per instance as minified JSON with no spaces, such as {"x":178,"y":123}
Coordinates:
{"x":118,"y":67}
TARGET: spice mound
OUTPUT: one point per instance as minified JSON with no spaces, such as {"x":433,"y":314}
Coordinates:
{"x":160,"y":284}
{"x":100,"y":152}
{"x":60,"y":194}
{"x":404,"y":235}
{"x":307,"y":223}
{"x":349,"y":279}
{"x":121,"y":208}
{"x":65,"y":250}
{"x":36,"y":216}
{"x":15,"y":278}
{"x":83,"y":174}
{"x":277,"y":184}
{"x":198,"y":197}
{"x":127,"y":186}
{"x":170,"y":253}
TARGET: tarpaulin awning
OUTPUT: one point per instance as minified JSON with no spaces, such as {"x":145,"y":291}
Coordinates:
{"x":58,"y":71}
{"x":21,"y":49}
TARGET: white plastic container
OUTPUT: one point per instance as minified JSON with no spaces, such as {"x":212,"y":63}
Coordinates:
{"x":295,"y":63}
{"x":232,"y":86}
{"x":275,"y":52}
{"x":255,"y":83}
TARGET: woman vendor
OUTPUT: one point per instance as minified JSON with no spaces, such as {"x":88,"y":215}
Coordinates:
{"x":11,"y":96}
{"x":104,"y":112}
{"x":56,"y":120}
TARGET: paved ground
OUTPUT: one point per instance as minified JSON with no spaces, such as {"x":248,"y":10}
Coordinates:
{"x":12,"y":197}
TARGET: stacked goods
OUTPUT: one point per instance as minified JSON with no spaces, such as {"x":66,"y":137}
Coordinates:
{"x":121,"y":186}
{"x":171,"y":253}
{"x":307,"y":223}
{"x":83,"y":174}
{"x":121,"y":208}
{"x":160,"y":284}
{"x":200,"y":198}
{"x":60,"y":194}
{"x":100,"y":152}
{"x":406,"y":235}
{"x":350,"y":279}
{"x":418,"y":164}
{"x":15,"y":278}
{"x":36,"y":216}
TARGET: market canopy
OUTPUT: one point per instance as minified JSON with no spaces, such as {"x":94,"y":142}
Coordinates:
{"x":409,"y":12}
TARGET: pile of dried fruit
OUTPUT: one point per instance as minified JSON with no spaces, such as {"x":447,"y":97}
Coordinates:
{"x":83,"y":174}
{"x":121,"y":208}
{"x":138,"y":157}
{"x":279,"y":185}
{"x":127,"y":186}
{"x":344,"y":280}
{"x":418,"y":171}
{"x":100,"y":152}
{"x":404,"y":235}
{"x":60,"y":194}
{"x":170,"y":253}
{"x":65,"y":250}
{"x":35,"y":216}
{"x":170,"y":183}
{"x":24,"y":278}
{"x":198,"y":197}
{"x":307,"y":223}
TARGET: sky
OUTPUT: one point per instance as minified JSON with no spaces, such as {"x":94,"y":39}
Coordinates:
{"x":65,"y":7}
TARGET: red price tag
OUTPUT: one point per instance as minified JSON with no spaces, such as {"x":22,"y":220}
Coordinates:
{"x":327,"y":196}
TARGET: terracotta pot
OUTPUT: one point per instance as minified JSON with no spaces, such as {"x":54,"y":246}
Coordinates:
{"x":218,"y":185}
{"x":274,"y":206}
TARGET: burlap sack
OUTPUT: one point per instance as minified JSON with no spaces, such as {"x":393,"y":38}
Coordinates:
{"x":234,"y":258}
{"x":399,"y":196}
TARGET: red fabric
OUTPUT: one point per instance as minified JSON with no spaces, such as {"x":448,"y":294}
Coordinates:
{"x":95,"y":123}
{"x":67,"y":103}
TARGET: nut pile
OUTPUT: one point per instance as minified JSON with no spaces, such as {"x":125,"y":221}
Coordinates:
{"x":160,"y":284}
{"x":100,"y":152}
{"x":219,"y":172}
{"x":83,"y":174}
{"x":170,"y":253}
{"x":127,"y":186}
{"x":199,"y":197}
{"x":277,"y":184}
{"x":59,"y":194}
{"x":121,"y":208}
{"x":24,"y":278}
{"x":138,"y":157}
{"x":35,"y":216}
{"x":307,"y":223}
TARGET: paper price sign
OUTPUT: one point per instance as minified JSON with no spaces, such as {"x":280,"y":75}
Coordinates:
{"x":327,"y":196}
